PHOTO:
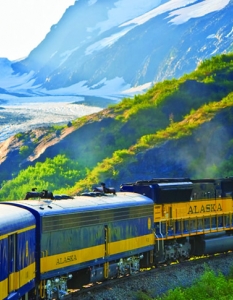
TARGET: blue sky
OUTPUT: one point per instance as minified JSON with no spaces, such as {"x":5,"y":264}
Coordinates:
{"x":25,"y":23}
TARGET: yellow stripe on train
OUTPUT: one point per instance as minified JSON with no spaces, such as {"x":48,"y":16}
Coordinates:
{"x":27,"y":274}
{"x":17,"y":280}
{"x":53,"y":262}
{"x":2,"y":237}
{"x":131,"y":244}
{"x":4,"y":288}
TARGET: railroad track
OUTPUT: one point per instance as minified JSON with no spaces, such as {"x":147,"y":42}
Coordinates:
{"x":163,"y":271}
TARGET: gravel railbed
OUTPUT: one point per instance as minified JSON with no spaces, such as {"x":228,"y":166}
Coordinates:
{"x":160,"y":280}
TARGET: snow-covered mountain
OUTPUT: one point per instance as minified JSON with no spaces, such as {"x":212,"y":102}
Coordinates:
{"x":115,"y":48}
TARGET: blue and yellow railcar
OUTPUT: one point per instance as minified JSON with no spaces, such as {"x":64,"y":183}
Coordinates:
{"x":88,"y":239}
{"x":191,"y":217}
{"x":17,"y":252}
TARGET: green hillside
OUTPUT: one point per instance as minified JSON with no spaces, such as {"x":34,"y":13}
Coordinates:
{"x":194,"y":113}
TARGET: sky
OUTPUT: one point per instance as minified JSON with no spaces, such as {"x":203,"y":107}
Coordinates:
{"x":25,"y":23}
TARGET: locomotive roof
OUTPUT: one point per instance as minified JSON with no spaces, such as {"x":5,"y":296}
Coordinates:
{"x":84,"y":203}
{"x":14,"y":218}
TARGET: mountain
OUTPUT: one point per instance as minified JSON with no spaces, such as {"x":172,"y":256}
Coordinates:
{"x":111,"y":49}
{"x":178,"y":128}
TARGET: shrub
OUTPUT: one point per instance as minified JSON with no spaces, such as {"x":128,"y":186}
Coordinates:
{"x":24,"y":150}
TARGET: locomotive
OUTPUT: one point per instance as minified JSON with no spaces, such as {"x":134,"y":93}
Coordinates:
{"x":53,"y":244}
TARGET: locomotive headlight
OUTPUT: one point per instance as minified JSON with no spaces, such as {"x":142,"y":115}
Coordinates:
{"x":56,"y":280}
{"x":141,"y":256}
{"x":70,"y":276}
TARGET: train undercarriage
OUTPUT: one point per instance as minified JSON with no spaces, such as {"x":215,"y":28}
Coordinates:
{"x":171,"y":250}
{"x":166,"y":251}
{"x":58,"y":287}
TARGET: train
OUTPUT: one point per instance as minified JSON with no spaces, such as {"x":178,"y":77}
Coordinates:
{"x":51,"y":244}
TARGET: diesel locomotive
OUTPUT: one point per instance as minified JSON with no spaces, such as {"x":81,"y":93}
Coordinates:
{"x":51,"y":245}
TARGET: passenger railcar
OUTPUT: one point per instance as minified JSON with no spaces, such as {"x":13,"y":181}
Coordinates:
{"x":88,"y":239}
{"x":17,"y":252}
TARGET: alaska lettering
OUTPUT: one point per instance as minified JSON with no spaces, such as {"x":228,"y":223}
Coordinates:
{"x":205,"y":208}
{"x":66,"y":259}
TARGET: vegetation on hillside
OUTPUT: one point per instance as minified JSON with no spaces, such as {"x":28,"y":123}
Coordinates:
{"x":210,"y":286}
{"x":110,"y":139}
{"x":109,"y":167}
{"x":49,"y":175}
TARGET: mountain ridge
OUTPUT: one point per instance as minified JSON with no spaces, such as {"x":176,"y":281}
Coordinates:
{"x":120,"y":51}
